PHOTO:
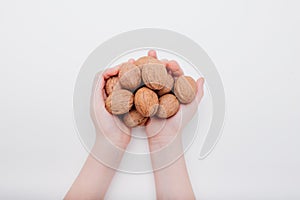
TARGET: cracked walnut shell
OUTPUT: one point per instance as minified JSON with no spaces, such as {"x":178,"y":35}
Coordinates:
{"x":185,"y":89}
{"x":146,"y":102}
{"x":119,"y":102}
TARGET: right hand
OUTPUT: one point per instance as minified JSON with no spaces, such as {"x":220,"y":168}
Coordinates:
{"x":162,"y":131}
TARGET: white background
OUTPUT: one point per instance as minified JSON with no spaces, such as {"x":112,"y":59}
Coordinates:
{"x":254,"y":44}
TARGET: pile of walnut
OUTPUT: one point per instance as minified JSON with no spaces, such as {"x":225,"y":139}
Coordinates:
{"x":145,"y":89}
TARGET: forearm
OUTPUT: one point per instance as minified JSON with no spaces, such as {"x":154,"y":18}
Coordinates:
{"x":171,"y":179}
{"x":92,"y":182}
{"x":95,"y":177}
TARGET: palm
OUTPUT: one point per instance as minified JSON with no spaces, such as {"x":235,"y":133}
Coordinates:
{"x":106,"y":124}
{"x":163,"y":131}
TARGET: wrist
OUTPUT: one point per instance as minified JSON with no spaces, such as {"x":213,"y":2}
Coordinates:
{"x":165,"y":139}
{"x":117,"y":139}
{"x":108,"y":153}
{"x":163,"y":154}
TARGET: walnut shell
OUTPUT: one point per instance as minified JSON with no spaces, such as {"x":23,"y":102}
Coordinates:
{"x":133,"y":119}
{"x":145,"y":60}
{"x":168,"y":86}
{"x":185,"y":89}
{"x":112,"y":84}
{"x":144,"y":123}
{"x":129,"y":76}
{"x":154,"y":75}
{"x":119,"y":102}
{"x":168,"y":106}
{"x":146,"y":102}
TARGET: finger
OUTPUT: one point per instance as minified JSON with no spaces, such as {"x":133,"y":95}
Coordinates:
{"x":199,"y":95}
{"x":174,"y":67}
{"x":111,"y":72}
{"x":104,"y":95}
{"x":189,"y":110}
{"x":98,"y":88}
{"x":152,"y":53}
{"x":131,"y":60}
{"x":165,"y":62}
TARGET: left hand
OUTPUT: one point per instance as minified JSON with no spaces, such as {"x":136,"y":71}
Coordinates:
{"x":105,"y":123}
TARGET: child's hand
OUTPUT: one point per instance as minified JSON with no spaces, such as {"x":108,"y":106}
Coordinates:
{"x":162,"y":132}
{"x":106,"y":124}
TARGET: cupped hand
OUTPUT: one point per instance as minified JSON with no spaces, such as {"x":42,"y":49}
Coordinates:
{"x":106,"y":124}
{"x":162,"y":131}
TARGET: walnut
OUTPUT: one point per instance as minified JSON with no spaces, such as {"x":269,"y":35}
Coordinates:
{"x":144,"y":123}
{"x":146,"y":102}
{"x":154,"y":75}
{"x":133,"y":119}
{"x":119,"y":102}
{"x":168,"y":86}
{"x":168,"y":106}
{"x":145,"y":60}
{"x":129,"y":76}
{"x":185,"y":89}
{"x":112,"y":84}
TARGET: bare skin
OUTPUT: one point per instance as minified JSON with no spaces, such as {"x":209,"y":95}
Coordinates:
{"x":172,"y":182}
{"x":94,"y":178}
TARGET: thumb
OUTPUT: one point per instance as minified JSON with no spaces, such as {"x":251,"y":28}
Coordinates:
{"x":199,"y":95}
{"x":152,"y":53}
{"x":97,"y":96}
{"x":190,"y":109}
